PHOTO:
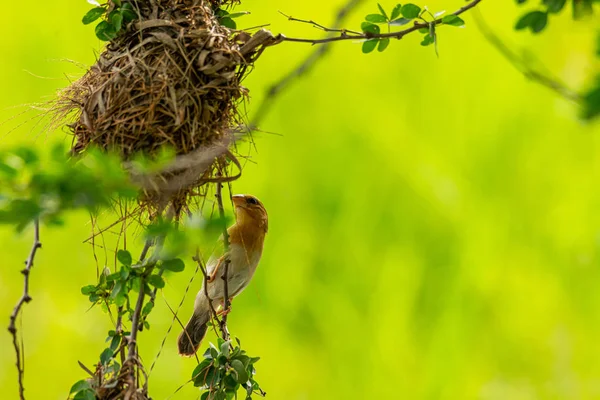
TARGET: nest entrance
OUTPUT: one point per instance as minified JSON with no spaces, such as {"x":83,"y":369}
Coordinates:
{"x":172,"y":78}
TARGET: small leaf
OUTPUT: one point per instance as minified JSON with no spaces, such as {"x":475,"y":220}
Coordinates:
{"x":453,"y":20}
{"x":114,"y":343}
{"x":124,"y":257}
{"x":225,"y":348}
{"x":105,"y":31}
{"x":427,"y":40}
{"x":400,"y":21}
{"x":87,"y":394}
{"x":242,"y":375}
{"x":396,"y":11}
{"x":147,"y":308}
{"x":582,"y":9}
{"x":80,"y":385}
{"x":156,"y":281}
{"x":382,"y":11}
{"x":228,"y":23}
{"x":369,"y":27}
{"x":369,"y":45}
{"x":93,"y":15}
{"x":174,"y":265}
{"x":410,"y":11}
{"x":383,"y":44}
{"x":376,"y":18}
{"x":536,"y":21}
{"x":128,"y":13}
{"x":106,"y":356}
{"x":116,"y":19}
{"x":86,"y":290}
{"x":554,"y":6}
{"x":117,"y":3}
{"x":238,"y":14}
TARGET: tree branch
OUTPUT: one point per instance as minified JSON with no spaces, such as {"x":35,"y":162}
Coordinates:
{"x":226,"y":303}
{"x":391,"y":35}
{"x":522,"y":65}
{"x":308,"y":63}
{"x":25,"y":298}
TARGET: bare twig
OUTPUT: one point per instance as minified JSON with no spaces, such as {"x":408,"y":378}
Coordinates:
{"x":25,"y":298}
{"x":226,"y":302}
{"x":319,"y":26}
{"x":522,"y":65}
{"x":392,"y":35}
{"x":308,"y":63}
{"x":212,"y":308}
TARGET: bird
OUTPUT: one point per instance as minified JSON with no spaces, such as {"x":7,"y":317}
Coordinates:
{"x":246,"y":240}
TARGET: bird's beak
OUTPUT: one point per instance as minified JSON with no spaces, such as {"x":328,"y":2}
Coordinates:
{"x":238,"y":200}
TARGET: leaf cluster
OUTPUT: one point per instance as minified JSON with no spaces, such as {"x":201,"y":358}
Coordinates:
{"x":227,"y":19}
{"x":401,"y":15}
{"x":537,"y":20}
{"x":33,"y":186}
{"x":224,"y":370}
{"x":115,"y":15}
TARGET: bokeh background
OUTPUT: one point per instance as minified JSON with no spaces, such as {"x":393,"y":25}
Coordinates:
{"x":434,"y":226}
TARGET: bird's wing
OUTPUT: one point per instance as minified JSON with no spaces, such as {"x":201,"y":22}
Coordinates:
{"x":216,"y":257}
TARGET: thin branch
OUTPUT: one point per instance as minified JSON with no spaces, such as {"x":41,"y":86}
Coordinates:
{"x":319,"y":26}
{"x":308,"y":63}
{"x":391,"y":35}
{"x":522,"y":65}
{"x":226,"y":302}
{"x":25,"y":298}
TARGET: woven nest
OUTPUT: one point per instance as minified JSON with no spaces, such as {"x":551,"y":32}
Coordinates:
{"x":171,"y":78}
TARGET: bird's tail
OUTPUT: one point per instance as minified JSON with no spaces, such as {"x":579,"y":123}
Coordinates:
{"x":189,"y":340}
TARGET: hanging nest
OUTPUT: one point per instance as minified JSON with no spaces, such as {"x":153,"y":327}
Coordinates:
{"x":172,"y":78}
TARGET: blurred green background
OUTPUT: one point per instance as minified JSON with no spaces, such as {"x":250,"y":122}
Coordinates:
{"x":434,"y":227}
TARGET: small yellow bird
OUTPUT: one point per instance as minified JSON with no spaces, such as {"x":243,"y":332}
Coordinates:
{"x":246,"y":238}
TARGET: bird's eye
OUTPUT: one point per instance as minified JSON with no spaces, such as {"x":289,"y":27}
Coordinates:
{"x":251,"y":200}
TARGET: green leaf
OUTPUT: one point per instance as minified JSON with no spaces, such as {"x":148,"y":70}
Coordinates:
{"x":124,"y":257}
{"x":116,"y":19}
{"x":369,"y":45}
{"x":87,"y":394}
{"x":427,"y":40}
{"x":453,"y":20}
{"x":105,"y":31}
{"x":200,"y":372}
{"x":400,"y":21}
{"x":591,"y":102}
{"x":93,"y":15}
{"x":582,"y":8}
{"x":396,"y":11}
{"x":147,"y":308}
{"x":369,"y":27}
{"x":238,"y":14}
{"x":228,"y":23}
{"x":89,"y":289}
{"x":554,"y":6}
{"x":114,"y":343}
{"x":117,"y":3}
{"x":204,"y":396}
{"x":382,"y":11}
{"x":106,"y":356}
{"x":174,"y":265}
{"x":128,"y":13}
{"x":242,"y":375}
{"x":536,"y":21}
{"x":424,"y":30}
{"x":225,"y":348}
{"x":80,"y":385}
{"x":383,"y":44}
{"x":156,"y":281}
{"x":376,"y":18}
{"x":410,"y":11}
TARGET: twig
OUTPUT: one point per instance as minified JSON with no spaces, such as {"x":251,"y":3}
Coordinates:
{"x":319,"y":26}
{"x":226,"y":303}
{"x":203,"y":269}
{"x":302,"y":68}
{"x":25,"y":298}
{"x":367,"y":35}
{"x":522,"y":65}
{"x":135,"y":319}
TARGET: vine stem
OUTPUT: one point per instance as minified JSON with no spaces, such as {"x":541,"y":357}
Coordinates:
{"x":226,"y":302}
{"x":25,"y":298}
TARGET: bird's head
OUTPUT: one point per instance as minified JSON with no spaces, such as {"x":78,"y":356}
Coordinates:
{"x":249,"y":210}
